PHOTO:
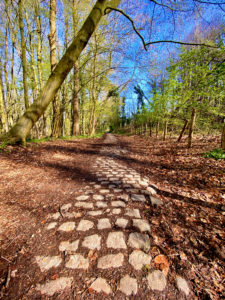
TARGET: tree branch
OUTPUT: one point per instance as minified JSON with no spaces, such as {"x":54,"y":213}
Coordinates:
{"x":154,"y":42}
{"x":180,"y":43}
{"x":132,"y":22}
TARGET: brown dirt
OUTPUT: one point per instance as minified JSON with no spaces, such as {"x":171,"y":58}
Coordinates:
{"x":188,"y":229}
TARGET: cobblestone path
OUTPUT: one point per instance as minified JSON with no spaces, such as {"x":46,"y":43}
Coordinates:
{"x":104,"y":236}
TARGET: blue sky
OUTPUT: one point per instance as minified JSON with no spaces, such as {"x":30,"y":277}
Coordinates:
{"x":142,"y":66}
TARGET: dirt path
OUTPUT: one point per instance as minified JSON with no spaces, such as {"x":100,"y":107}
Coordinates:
{"x":97,"y":244}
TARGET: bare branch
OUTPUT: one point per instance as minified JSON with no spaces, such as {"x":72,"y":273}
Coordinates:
{"x":209,"y":2}
{"x":154,"y":42}
{"x":132,"y":22}
{"x":180,"y":43}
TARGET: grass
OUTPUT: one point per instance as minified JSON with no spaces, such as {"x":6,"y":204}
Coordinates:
{"x":36,"y":141}
{"x":216,"y":154}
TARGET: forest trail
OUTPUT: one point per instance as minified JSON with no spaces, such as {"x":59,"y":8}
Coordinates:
{"x":98,"y":244}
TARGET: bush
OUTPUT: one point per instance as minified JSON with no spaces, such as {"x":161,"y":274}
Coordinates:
{"x":216,"y":154}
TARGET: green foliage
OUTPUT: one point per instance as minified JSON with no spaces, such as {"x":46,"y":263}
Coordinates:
{"x":216,"y":154}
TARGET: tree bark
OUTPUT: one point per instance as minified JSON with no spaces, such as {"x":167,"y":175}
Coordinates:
{"x":23,"y":54}
{"x":75,"y":101}
{"x":182,"y":131}
{"x":56,"y":131}
{"x":22,"y":128}
{"x":223,"y":138}
{"x":192,"y":124}
{"x":165,"y":130}
{"x":157,"y":129}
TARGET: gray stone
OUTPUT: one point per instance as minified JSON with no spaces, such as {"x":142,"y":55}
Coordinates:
{"x":67,"y":246}
{"x":138,"y":197}
{"x":182,"y":285}
{"x":85,"y":225}
{"x":92,"y":242}
{"x":143,"y":183}
{"x":151,"y":191}
{"x":122,"y":223}
{"x":54,"y":216}
{"x":53,"y":286}
{"x":155,"y":201}
{"x":111,"y":261}
{"x":139,"y":259}
{"x":98,"y":197}
{"x":101,"y":285}
{"x":142,"y":225}
{"x":139,"y":241}
{"x":156,"y":280}
{"x":94,"y":213}
{"x":118,"y":204}
{"x":77,"y":261}
{"x":103,"y":224}
{"x":116,"y":240}
{"x":101,"y":204}
{"x":82,"y":198}
{"x":97,"y":186}
{"x":132,"y":212}
{"x":104,"y":191}
{"x":48,"y":262}
{"x":117,"y":190}
{"x":105,"y":182}
{"x":116,"y":211}
{"x":67,"y":226}
{"x":66,"y":206}
{"x":84,"y":204}
{"x":124,"y":197}
{"x":51,"y":225}
{"x":128,"y":285}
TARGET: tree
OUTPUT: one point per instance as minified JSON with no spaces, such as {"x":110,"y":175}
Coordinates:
{"x":21,"y":129}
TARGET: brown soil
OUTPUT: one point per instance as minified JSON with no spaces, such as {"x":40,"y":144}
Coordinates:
{"x":188,"y":229}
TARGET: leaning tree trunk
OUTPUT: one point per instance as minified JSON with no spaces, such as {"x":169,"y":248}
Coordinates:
{"x":182,"y":131}
{"x":192,"y":124}
{"x":223,"y":138}
{"x":22,"y":128}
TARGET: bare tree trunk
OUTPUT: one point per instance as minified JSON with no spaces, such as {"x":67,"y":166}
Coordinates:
{"x":3,"y":118}
{"x":22,"y":128}
{"x":146,"y":129}
{"x":223,"y":138}
{"x":182,"y":131}
{"x":3,"y":110}
{"x":165,"y":130}
{"x":150,"y":129}
{"x":23,"y":56}
{"x":157,"y":129}
{"x":192,"y":124}
{"x":93,"y":91}
{"x":75,"y":101}
{"x":53,"y":59}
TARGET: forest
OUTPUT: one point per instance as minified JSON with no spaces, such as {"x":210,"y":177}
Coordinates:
{"x":112,"y":149}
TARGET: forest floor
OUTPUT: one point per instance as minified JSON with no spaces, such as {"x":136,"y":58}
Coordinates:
{"x":127,"y":216}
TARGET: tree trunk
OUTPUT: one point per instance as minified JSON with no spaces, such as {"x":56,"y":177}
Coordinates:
{"x":53,"y":60}
{"x":3,"y":110}
{"x":165,"y":130}
{"x":75,"y":101}
{"x":146,"y":129}
{"x":223,"y":138}
{"x":93,"y":93}
{"x":157,"y":129}
{"x":23,"y":54}
{"x":192,"y":124}
{"x":22,"y":128}
{"x":182,"y":131}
